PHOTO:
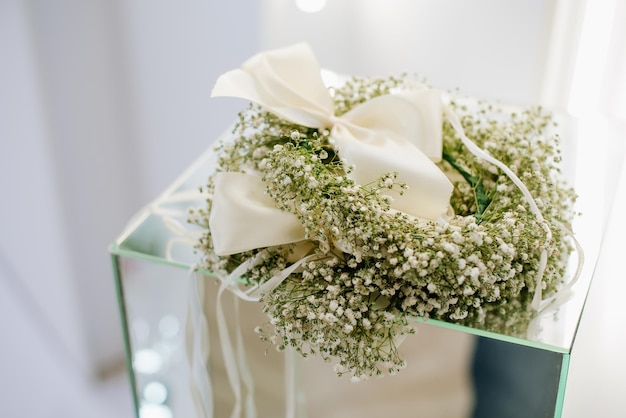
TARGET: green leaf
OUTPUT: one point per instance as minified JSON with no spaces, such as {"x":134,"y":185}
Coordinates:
{"x":480,"y":196}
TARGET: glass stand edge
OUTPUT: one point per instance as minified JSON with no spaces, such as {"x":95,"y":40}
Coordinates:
{"x":125,"y":331}
{"x":560,"y":397}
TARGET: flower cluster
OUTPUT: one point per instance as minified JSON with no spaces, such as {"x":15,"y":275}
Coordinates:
{"x":376,"y":269}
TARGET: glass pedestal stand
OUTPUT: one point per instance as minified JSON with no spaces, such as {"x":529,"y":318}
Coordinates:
{"x":508,"y":375}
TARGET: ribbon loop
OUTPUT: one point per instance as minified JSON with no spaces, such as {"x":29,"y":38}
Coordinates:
{"x":243,"y":217}
{"x":287,"y":82}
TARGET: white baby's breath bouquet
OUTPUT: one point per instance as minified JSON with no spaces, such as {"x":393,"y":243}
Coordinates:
{"x":340,"y":264}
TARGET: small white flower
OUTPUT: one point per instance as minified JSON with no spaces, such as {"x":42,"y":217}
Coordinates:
{"x":501,"y":188}
{"x":329,"y":317}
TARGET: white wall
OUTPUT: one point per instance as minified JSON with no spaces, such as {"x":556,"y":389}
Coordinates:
{"x":175,"y":51}
{"x":78,"y":65}
{"x":486,"y":48}
{"x":35,"y":265}
{"x":102,"y":105}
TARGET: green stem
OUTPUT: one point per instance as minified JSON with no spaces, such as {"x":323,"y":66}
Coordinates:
{"x":481,"y":198}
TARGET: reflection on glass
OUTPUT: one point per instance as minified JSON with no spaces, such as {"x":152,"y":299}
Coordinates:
{"x":147,"y":361}
{"x":169,"y":326}
{"x":141,"y":330}
{"x":149,"y":410}
{"x":155,"y":393}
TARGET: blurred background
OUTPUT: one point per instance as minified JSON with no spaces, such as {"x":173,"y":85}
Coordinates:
{"x":104,"y":102}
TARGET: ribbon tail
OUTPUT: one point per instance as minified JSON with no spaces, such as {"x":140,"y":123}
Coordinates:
{"x":291,"y":395}
{"x":428,"y":195}
{"x":402,"y":133}
{"x":235,"y":363}
{"x":198,"y":348}
{"x":230,"y":360}
{"x":246,"y":376}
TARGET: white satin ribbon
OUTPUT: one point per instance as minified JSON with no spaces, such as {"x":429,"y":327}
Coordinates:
{"x":198,"y":348}
{"x":243,"y":217}
{"x":235,"y":363}
{"x":197,"y":328}
{"x":399,"y":132}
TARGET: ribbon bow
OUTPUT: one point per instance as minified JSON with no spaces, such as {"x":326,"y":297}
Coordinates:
{"x":398,"y":132}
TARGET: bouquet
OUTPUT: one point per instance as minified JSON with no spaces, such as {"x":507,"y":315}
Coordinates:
{"x":348,"y":211}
